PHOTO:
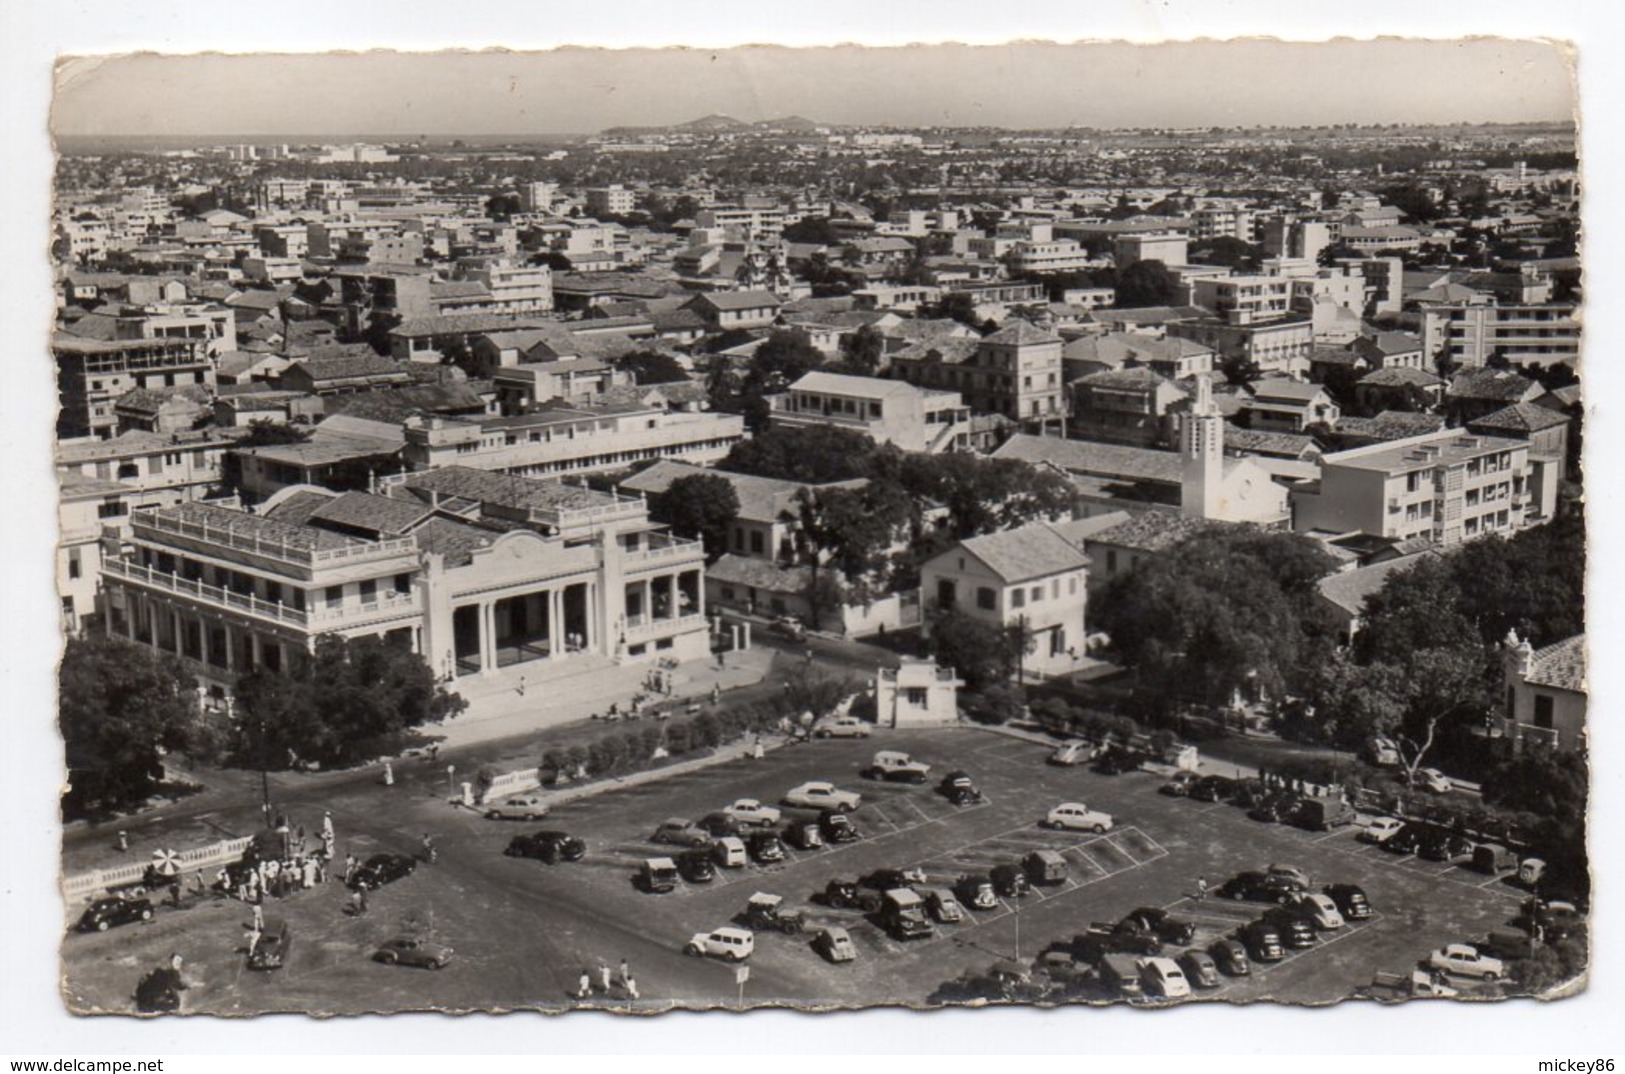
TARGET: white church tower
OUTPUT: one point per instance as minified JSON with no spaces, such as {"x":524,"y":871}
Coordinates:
{"x":1201,"y":447}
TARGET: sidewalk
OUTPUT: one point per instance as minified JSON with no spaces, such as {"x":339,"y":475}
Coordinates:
{"x":497,"y":709}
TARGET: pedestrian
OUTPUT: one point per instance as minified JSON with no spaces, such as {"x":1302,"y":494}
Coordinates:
{"x":320,"y":869}
{"x":175,"y":892}
{"x":631,"y":989}
{"x":434,"y":752}
{"x":716,"y":692}
{"x":361,"y":899}
{"x":626,"y":973}
{"x":603,"y":975}
{"x":809,"y":656}
{"x":521,"y":686}
{"x":1201,"y":887}
{"x":350,"y":865}
{"x":310,"y":873}
{"x":259,"y":919}
{"x":251,"y":940}
{"x":584,"y":989}
{"x":756,"y":750}
{"x":202,"y":887}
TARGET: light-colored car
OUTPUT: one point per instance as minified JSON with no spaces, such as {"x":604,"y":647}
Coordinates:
{"x":1434,"y":781}
{"x":519,"y":807}
{"x":727,"y":943}
{"x":1380,"y":830}
{"x":1318,"y":908}
{"x":750,"y":811}
{"x":842,"y":727}
{"x":1074,"y":753}
{"x":1465,"y":960}
{"x":897,"y":767}
{"x":1078,"y":817}
{"x":408,"y":950}
{"x":1292,"y":873}
{"x":679,"y":832}
{"x":818,"y":794}
{"x":1163,"y":979}
{"x":835,"y":944}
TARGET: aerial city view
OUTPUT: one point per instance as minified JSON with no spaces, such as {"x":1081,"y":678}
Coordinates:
{"x":820,"y":558}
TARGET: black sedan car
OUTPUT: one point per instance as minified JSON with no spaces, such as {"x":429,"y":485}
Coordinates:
{"x":381,"y":869}
{"x":1163,"y":925}
{"x":1350,"y":901}
{"x":764,"y":847}
{"x":884,"y":879}
{"x":959,"y":789}
{"x":1010,"y":879}
{"x":547,"y":846}
{"x":1259,"y":887}
{"x":1231,"y":957}
{"x":696,"y":866}
{"x":1117,"y":760}
{"x":103,"y":914}
{"x":1295,"y":930}
{"x":1408,"y":840}
{"x":837,"y":827}
{"x":1212,"y":789}
{"x":1441,"y":845}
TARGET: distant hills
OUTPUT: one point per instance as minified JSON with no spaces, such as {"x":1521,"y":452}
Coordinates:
{"x":721,"y":124}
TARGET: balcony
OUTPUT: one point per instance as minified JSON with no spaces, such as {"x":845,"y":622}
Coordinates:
{"x":657,"y":628}
{"x":273,"y":611}
{"x":285,"y":551}
{"x":678,"y":551}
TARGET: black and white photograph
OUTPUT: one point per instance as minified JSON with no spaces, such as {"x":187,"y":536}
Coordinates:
{"x":1047,"y":525}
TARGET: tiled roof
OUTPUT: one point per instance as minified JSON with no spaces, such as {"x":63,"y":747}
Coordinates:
{"x":1134,"y":378}
{"x":380,"y":515}
{"x":507,"y":490}
{"x":1088,"y":457}
{"x":1020,"y":333}
{"x":1490,"y":384}
{"x":761,"y":499}
{"x":349,"y":366}
{"x":1520,"y":418}
{"x":453,"y":324}
{"x":740,"y":300}
{"x":1349,"y":589}
{"x":1282,"y":388}
{"x":1266,"y":442}
{"x":150,"y":400}
{"x":759,"y":574}
{"x":844,"y":384}
{"x":1391,"y":425}
{"x":1154,"y":531}
{"x":928,"y":328}
{"x":270,"y":530}
{"x":949,"y":349}
{"x":1561,"y":666}
{"x":1401,"y":377}
{"x":1031,"y":551}
{"x":454,"y":540}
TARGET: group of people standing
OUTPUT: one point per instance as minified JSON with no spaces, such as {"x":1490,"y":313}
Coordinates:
{"x":607,"y":982}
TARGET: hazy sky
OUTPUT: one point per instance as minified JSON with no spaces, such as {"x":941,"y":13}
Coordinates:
{"x":582,"y":90}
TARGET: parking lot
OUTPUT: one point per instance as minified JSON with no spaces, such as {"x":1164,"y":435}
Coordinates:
{"x":523,"y":931}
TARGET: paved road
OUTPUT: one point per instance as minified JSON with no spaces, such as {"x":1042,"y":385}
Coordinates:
{"x":523,"y":931}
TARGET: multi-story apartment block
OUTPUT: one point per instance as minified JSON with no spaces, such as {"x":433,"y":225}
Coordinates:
{"x":571,"y":440}
{"x":1015,"y":372}
{"x":1169,"y":248}
{"x":476,"y":572}
{"x":92,"y":374}
{"x":1471,"y":333}
{"x":885,"y":411}
{"x":1244,"y":299}
{"x":612,"y":200}
{"x":1445,"y":487}
{"x":514,"y":288}
{"x":1124,"y":406}
{"x":748,"y":221}
{"x":1280,"y":346}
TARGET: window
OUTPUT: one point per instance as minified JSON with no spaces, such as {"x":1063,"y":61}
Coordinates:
{"x":757,"y":545}
{"x":915,"y":696}
{"x":335,"y":596}
{"x":986,"y":598}
{"x":1543,"y":711}
{"x":947,"y":595}
{"x":1018,"y":598}
{"x":73,"y":563}
{"x":1036,"y":594}
{"x":1111,"y":561}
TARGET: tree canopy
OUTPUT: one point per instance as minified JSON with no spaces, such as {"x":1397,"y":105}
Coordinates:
{"x":653,"y":367}
{"x":121,"y":706}
{"x":699,"y":505}
{"x":335,"y":705}
{"x":815,"y":454}
{"x":1145,"y":283}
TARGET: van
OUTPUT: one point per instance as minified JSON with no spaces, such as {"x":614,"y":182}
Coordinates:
{"x":1162,"y":978}
{"x":902,"y":913}
{"x":730,"y":852}
{"x":1120,"y":972}
{"x":1530,"y":870}
{"x":727,"y":943}
{"x":1045,"y":867}
{"x":1493,"y":859}
{"x":658,"y":876}
{"x":1322,"y":813}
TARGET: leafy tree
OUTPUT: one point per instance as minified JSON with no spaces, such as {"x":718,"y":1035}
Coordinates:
{"x":983,"y":653}
{"x":996,"y":703}
{"x":815,"y":454}
{"x":808,"y":689}
{"x":1145,"y":283}
{"x":1548,"y":783}
{"x":812,"y":229}
{"x":862,"y":350}
{"x":331,"y":706}
{"x":1241,"y":370}
{"x":263,"y":432}
{"x":502,"y":206}
{"x":699,"y":505}
{"x":1225,"y":611}
{"x":1234,"y":253}
{"x":653,"y":367}
{"x":984,"y":495}
{"x":120,"y":707}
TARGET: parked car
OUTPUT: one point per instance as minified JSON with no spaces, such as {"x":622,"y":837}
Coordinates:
{"x":1465,"y":960}
{"x":519,"y":807}
{"x":550,"y":847}
{"x":1350,"y":900}
{"x":1405,"y":841}
{"x":1121,"y":974}
{"x":1117,"y":760}
{"x":1078,"y":817}
{"x":942,"y":905}
{"x":1074,"y":753}
{"x":409,"y":950}
{"x":381,"y":869}
{"x":1433,"y":781}
{"x":902,"y":913}
{"x":727,"y":943}
{"x":804,"y":834}
{"x":1508,"y":944}
{"x":658,"y":876}
{"x":103,"y":914}
{"x":729,"y":852}
{"x":1200,"y":969}
{"x":765,"y":911}
{"x":887,"y":879}
{"x":838,"y":827}
{"x":1045,"y":867}
{"x":1231,"y":957}
{"x":835,"y":945}
{"x":1380,"y":830}
{"x":788,"y":626}
{"x":696,"y":865}
{"x":1163,"y":979}
{"x":1295,"y":931}
{"x":1009,"y":880}
{"x":820,"y":794}
{"x":1259,"y":887}
{"x":1104,"y":939}
{"x":1493,"y":858}
{"x":1322,"y":813}
{"x":272,"y":949}
{"x":850,"y":895}
{"x":1319,"y":910}
{"x":1290,"y":872}
{"x":719,"y":824}
{"x":764,"y":847}
{"x":1212,"y":788}
{"x":676,"y":831}
{"x":1160,"y":923}
{"x":958,"y":788}
{"x":895,"y":766}
{"x":843,"y":727}
{"x":1530,"y":872}
{"x":1180,"y":785}
{"x":976,"y":892}
{"x":1262,"y":941}
{"x":1557,"y":919}
{"x":1440,"y":844}
{"x":749,"y":811}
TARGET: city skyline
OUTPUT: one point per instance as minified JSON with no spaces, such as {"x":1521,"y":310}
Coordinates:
{"x":578,"y":91}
